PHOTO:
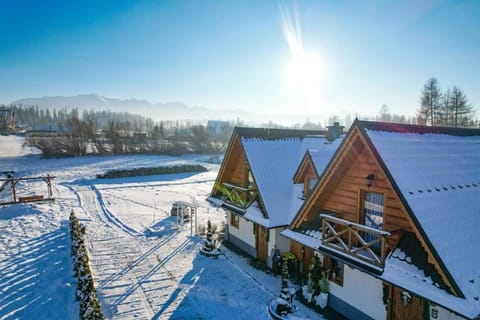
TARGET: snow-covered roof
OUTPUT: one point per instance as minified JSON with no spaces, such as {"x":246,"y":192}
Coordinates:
{"x":400,"y":270}
{"x":437,"y":172}
{"x":322,"y":154}
{"x":310,"y":239}
{"x":255,"y":214}
{"x":273,"y":164}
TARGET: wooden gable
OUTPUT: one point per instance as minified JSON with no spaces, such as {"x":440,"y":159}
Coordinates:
{"x":342,"y":186}
{"x":234,"y":167}
{"x":306,"y":169}
{"x":305,"y":173}
{"x":235,"y":172}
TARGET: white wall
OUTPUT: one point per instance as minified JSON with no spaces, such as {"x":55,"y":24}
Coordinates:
{"x":243,"y":232}
{"x":361,"y":291}
{"x":275,"y":238}
{"x":443,"y":314}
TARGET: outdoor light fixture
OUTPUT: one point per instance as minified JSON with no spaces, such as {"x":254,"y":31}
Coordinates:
{"x":406,"y":298}
{"x":369,"y":179}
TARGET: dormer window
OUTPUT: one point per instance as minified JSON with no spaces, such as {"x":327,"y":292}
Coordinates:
{"x":309,"y":184}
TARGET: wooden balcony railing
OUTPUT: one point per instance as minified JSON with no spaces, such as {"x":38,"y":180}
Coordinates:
{"x":349,"y":238}
{"x":237,"y":196}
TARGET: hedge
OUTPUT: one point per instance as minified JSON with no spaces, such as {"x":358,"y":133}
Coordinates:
{"x":87,"y":295}
{"x":151,"y":171}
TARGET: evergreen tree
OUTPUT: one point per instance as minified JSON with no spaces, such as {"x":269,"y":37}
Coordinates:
{"x":430,"y":106}
{"x":284,"y":273}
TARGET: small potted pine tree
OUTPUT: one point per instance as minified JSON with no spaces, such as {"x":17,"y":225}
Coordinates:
{"x":312,"y":286}
{"x":322,"y":298}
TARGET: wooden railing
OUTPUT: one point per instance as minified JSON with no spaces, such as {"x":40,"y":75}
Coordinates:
{"x":348,"y":238}
{"x":240,"y":197}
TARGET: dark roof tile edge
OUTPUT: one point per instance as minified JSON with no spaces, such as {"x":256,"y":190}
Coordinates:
{"x":421,"y":129}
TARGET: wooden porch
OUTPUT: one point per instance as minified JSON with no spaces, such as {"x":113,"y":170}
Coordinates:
{"x":348,"y":239}
{"x":237,"y":196}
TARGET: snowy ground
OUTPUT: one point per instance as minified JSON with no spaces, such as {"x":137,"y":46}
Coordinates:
{"x":139,"y":274}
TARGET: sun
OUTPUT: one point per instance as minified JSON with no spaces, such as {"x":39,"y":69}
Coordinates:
{"x":305,"y":70}
{"x":304,"y":75}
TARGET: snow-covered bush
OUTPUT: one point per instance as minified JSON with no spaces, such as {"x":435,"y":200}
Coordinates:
{"x":86,"y":293}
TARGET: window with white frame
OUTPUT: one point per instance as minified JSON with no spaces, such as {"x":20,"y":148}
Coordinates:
{"x":234,"y":220}
{"x":373,"y":207}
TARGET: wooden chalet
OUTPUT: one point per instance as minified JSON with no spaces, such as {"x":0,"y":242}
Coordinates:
{"x":254,"y":184}
{"x":395,"y":220}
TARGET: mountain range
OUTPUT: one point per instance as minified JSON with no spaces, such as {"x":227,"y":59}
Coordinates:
{"x":164,"y":111}
{"x":156,"y":111}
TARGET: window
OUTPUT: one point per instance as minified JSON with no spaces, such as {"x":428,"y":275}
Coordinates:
{"x":309,"y":185}
{"x":373,"y":214}
{"x":249,"y":179}
{"x":334,"y":269}
{"x":234,"y":220}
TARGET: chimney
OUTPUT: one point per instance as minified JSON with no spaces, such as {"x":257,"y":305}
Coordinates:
{"x":335,"y":131}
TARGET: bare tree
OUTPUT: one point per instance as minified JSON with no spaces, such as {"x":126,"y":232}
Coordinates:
{"x":430,"y":106}
{"x":462,"y":112}
{"x":384,"y":114}
{"x":201,"y":139}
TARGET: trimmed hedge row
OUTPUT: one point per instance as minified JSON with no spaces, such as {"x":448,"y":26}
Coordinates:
{"x":151,"y":171}
{"x":87,"y":295}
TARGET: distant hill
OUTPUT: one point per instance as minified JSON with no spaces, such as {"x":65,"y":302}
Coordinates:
{"x":167,"y":111}
{"x":157,"y":111}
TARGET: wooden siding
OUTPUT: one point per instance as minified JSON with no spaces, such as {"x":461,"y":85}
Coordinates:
{"x":346,"y":198}
{"x":234,"y":169}
{"x":236,"y":172}
{"x":397,"y":310}
{"x":305,"y":258}
{"x":343,"y":192}
{"x":261,"y":242}
{"x":344,"y":181}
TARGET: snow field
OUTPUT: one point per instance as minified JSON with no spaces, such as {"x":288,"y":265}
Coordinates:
{"x":138,"y":274}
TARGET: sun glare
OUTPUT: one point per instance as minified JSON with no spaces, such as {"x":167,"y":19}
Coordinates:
{"x":304,"y":74}
{"x":305,"y":70}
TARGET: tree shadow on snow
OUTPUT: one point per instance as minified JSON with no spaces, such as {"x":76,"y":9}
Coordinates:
{"x":13,"y":211}
{"x":37,"y":278}
{"x":211,"y":290}
{"x":161,"y":228}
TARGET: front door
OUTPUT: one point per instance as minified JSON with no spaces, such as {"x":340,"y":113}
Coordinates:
{"x":261,"y":242}
{"x":405,"y":306}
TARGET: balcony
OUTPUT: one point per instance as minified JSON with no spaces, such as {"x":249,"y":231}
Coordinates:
{"x":237,"y":196}
{"x":354,"y":242}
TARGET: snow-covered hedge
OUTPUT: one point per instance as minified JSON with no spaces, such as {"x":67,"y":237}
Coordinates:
{"x":137,"y":172}
{"x":86,"y":293}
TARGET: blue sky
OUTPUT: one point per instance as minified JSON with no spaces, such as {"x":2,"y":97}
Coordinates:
{"x":235,"y":54}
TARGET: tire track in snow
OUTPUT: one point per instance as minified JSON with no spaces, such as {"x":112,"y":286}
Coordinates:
{"x":144,"y":278}
{"x":138,"y":260}
{"x":111,"y":217}
{"x":91,"y":202}
{"x":134,"y":281}
{"x":130,"y":200}
{"x":118,"y":252}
